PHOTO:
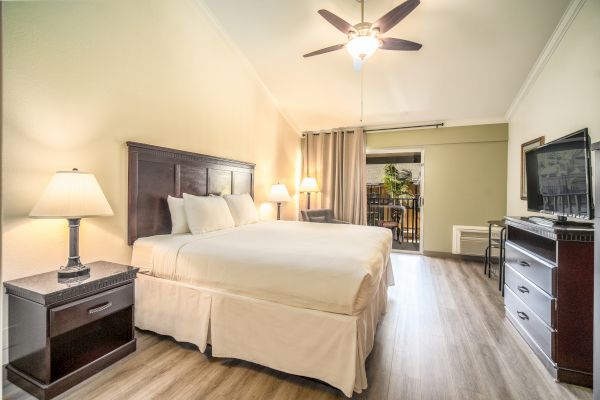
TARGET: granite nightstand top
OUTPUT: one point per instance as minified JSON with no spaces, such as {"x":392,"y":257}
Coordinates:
{"x":47,"y":289}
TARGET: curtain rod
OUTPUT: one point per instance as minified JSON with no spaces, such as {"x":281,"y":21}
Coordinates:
{"x":398,"y":128}
{"x":367,"y":130}
{"x":328,"y":131}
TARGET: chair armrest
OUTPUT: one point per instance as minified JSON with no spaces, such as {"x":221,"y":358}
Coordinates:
{"x":337,"y":221}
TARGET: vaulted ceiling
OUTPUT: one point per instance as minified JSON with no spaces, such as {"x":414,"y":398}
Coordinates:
{"x":475,"y":56}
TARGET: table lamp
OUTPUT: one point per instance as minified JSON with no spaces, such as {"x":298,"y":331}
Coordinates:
{"x":72,"y":195}
{"x":309,"y":185}
{"x":279,"y":194}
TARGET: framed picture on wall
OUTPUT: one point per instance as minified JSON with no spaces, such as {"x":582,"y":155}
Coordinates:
{"x":525,"y":147}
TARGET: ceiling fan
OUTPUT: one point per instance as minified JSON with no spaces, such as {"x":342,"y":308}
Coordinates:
{"x":363,"y":38}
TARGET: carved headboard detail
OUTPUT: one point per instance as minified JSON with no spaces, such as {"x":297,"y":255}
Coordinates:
{"x":156,"y":172}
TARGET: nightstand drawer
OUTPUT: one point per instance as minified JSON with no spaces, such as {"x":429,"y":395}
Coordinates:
{"x":84,"y":311}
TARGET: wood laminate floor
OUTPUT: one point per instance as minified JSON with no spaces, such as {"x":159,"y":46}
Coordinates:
{"x":405,"y":246}
{"x":444,"y":337}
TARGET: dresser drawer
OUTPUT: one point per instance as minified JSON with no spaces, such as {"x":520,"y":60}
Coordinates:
{"x":73,"y":315}
{"x":536,"y":299}
{"x":535,"y":269}
{"x":541,"y":334}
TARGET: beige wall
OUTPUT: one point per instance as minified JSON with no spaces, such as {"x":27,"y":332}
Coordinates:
{"x":564,"y":98}
{"x":465,"y":176}
{"x":81,"y":78}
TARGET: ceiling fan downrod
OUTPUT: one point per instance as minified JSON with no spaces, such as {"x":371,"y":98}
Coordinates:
{"x":362,"y":11}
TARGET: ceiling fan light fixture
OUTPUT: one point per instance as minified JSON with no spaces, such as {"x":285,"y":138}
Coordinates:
{"x":364,"y":38}
{"x":362,"y":47}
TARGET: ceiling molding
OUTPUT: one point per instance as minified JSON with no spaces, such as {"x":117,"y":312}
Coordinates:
{"x":561,"y":29}
{"x":217,"y":24}
{"x":474,"y":121}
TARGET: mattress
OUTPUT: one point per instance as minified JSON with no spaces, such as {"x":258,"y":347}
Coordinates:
{"x":327,"y":267}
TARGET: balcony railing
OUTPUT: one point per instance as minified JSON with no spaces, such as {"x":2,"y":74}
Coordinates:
{"x":403,"y":210}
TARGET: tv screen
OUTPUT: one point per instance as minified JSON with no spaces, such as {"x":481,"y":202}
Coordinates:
{"x":559,"y":177}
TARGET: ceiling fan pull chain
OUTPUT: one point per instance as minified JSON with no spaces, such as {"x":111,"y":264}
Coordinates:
{"x":362,"y":95}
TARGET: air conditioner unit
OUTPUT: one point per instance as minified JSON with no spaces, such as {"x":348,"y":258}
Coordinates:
{"x":473,"y":240}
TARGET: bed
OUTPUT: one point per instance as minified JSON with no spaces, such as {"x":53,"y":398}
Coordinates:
{"x":303,"y":298}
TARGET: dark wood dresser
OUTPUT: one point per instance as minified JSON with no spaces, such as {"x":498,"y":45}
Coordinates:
{"x":596,"y":148}
{"x":549,"y":294}
{"x":62,"y":332}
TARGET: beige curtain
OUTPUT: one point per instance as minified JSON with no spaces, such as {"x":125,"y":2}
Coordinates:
{"x":337,"y":160}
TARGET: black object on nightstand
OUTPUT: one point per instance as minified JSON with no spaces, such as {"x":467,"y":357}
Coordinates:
{"x":63,"y":332}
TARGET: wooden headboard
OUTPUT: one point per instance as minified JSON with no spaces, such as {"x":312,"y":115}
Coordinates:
{"x":156,"y":172}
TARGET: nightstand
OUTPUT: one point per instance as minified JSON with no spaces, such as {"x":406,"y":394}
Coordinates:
{"x":62,"y":332}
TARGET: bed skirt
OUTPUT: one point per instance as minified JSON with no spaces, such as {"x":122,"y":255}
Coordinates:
{"x":322,"y":345}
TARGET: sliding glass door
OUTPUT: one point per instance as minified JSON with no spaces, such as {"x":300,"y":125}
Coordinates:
{"x":394,"y":196}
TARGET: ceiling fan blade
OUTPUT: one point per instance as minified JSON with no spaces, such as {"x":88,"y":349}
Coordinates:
{"x":336,"y":21}
{"x":389,"y":20}
{"x":325,"y":50}
{"x":399,"y":44}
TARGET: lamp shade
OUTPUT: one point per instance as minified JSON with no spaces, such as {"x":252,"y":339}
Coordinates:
{"x":362,"y":47}
{"x":309,"y":184}
{"x":279,"y":194}
{"x":72,"y":194}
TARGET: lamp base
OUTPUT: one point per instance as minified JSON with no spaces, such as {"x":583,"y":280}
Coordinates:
{"x":74,"y":267}
{"x":73,"y":271}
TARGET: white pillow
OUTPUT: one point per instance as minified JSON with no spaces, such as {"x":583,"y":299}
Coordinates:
{"x":207,"y":213}
{"x":242,"y":208}
{"x":178,"y":219}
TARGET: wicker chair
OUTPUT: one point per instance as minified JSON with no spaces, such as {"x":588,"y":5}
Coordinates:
{"x":323,"y":215}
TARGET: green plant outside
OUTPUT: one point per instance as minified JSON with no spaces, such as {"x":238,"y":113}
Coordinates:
{"x":397,"y":182}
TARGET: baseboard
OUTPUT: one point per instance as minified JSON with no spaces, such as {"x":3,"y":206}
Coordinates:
{"x":444,"y":254}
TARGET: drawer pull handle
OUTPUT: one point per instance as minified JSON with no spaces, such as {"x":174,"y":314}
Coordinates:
{"x":100,"y":308}
{"x":523,"y":289}
{"x":522,"y":315}
{"x":524,"y":264}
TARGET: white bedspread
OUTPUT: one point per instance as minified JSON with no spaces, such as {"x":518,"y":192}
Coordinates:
{"x":327,"y":267}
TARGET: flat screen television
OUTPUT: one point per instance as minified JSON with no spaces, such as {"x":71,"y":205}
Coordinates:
{"x":559,"y":177}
